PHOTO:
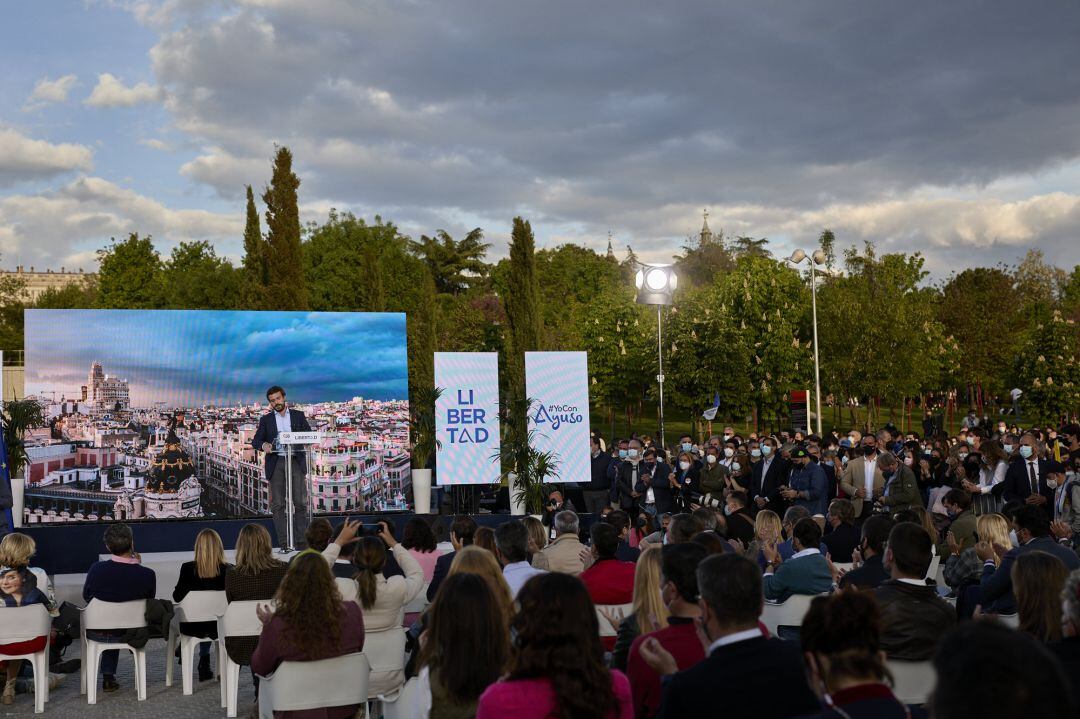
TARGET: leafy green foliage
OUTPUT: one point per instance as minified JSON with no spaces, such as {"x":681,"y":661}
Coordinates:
{"x":256,"y":272}
{"x":195,"y":278}
{"x":285,"y":289}
{"x":455,"y":264}
{"x":986,"y":344}
{"x":341,"y":263}
{"x":19,"y":416}
{"x":129,"y":274}
{"x":1048,"y":371}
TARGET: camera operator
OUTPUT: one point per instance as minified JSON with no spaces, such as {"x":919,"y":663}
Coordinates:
{"x":555,"y":504}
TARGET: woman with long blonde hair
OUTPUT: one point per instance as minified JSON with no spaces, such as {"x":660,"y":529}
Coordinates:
{"x":768,"y":532}
{"x":474,"y":560}
{"x":206,"y":573}
{"x":649,"y":613}
{"x":964,"y":568}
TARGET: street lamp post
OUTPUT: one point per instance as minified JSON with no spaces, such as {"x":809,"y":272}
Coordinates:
{"x":818,"y":258}
{"x":656,"y":286}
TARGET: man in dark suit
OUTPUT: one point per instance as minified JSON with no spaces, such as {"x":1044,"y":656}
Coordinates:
{"x":282,"y":418}
{"x":1033,"y":531}
{"x":1025,"y":480}
{"x":743,"y":673}
{"x":768,"y":476}
{"x":461,"y":535}
{"x":844,"y":536}
{"x":872,"y":572}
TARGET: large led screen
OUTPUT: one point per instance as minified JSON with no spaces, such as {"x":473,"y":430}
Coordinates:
{"x":150,"y":413}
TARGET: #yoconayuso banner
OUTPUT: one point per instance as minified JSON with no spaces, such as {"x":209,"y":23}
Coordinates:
{"x":558,"y":384}
{"x":467,"y":417}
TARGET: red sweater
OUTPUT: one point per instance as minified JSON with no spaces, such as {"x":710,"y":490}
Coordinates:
{"x":610,"y":581}
{"x":679,"y":638}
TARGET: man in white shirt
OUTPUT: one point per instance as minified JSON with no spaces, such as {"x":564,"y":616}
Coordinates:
{"x":512,"y":548}
{"x":863,"y":481}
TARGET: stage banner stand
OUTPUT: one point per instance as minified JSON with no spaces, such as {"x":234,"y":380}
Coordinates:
{"x":467,"y":418}
{"x":294,"y":442}
{"x":558,"y":384}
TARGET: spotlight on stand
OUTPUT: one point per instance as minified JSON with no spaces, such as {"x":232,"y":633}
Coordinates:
{"x":656,"y":286}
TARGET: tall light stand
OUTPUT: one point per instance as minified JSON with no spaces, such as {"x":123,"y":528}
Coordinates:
{"x":656,"y":286}
{"x":817,"y":258}
{"x":660,"y":367}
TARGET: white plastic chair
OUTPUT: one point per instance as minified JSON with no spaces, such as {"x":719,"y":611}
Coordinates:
{"x":22,"y":624}
{"x":912,"y":681}
{"x":347,"y":587}
{"x":238,"y":620}
{"x":844,"y":566}
{"x":204,"y":606}
{"x":419,"y":602}
{"x":623,"y":610}
{"x":385,"y":651}
{"x":414,"y":699}
{"x":336,"y":682}
{"x":789,"y":613}
{"x":111,"y":615}
{"x":932,"y":571}
{"x":1012,"y":621}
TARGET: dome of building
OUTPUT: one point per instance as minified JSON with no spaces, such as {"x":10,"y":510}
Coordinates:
{"x":171,"y":467}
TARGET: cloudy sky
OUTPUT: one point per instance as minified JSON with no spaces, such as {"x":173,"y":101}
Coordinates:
{"x":194,"y":358}
{"x":952,"y":128}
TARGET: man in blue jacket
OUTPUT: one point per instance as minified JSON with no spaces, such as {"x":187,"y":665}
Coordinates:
{"x":807,"y":485}
{"x":282,"y":418}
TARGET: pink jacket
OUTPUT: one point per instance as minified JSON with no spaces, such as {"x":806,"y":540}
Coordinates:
{"x":535,"y":699}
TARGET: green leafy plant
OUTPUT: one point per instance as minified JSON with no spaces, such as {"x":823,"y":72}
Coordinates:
{"x":19,"y":416}
{"x":519,"y":456}
{"x":422,"y":424}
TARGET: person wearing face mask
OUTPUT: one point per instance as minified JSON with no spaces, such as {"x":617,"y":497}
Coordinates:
{"x":862,"y":479}
{"x":1026,"y":479}
{"x":686,"y":444}
{"x":960,"y":534}
{"x":1068,"y":504}
{"x":740,"y":523}
{"x":994,"y":464}
{"x":620,"y":452}
{"x":630,"y":482}
{"x":685,"y":480}
{"x":659,"y":497}
{"x":713,"y":475}
{"x":807,"y":486}
{"x":598,"y":491}
{"x":900,"y":491}
{"x":868,"y":559}
{"x":971,"y":421}
{"x":1070,"y":440}
{"x":1033,"y":532}
{"x":766,"y":479}
{"x":743,"y":673}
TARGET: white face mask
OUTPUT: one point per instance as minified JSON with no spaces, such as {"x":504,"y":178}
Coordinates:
{"x":1013,"y":539}
{"x":755,"y":453}
{"x":710,"y":458}
{"x":1052,"y":483}
{"x":766,"y":450}
{"x":729,"y":452}
{"x":684,"y":466}
{"x":1026,"y":451}
{"x":735,"y":467}
{"x":909,"y":461}
{"x":1008,"y":448}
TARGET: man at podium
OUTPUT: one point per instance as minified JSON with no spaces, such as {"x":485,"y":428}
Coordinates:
{"x":282,"y":418}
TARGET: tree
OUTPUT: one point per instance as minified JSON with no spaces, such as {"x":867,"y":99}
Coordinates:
{"x":12,"y":302}
{"x":1038,"y":285}
{"x":522,"y":303}
{"x":986,"y":348}
{"x":409,"y":288}
{"x":195,"y":278}
{"x":286,"y":289}
{"x":827,"y":241}
{"x":74,"y":296}
{"x":341,"y":263}
{"x":1070,"y":295}
{"x":700,"y":264}
{"x":744,"y":246}
{"x":455,"y":264}
{"x":1049,"y":373}
{"x":256,"y":273}
{"x":129,"y":274}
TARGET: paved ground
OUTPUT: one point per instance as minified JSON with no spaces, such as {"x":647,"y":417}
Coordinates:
{"x":161,"y":701}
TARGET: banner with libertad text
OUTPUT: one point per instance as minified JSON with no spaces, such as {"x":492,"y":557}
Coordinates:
{"x":467,"y":417}
{"x":558,"y":384}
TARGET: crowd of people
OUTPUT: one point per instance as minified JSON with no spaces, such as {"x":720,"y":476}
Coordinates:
{"x":651,"y":603}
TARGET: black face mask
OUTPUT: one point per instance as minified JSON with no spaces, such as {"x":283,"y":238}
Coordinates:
{"x":869,"y":451}
{"x":888,"y":475}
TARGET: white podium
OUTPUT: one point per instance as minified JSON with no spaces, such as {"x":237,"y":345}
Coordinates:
{"x":292,"y":442}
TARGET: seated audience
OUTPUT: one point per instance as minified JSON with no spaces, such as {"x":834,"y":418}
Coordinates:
{"x":843,"y":536}
{"x":740,"y":523}
{"x":512,"y":551}
{"x":711,"y":542}
{"x":970,"y":683}
{"x":913,"y":614}
{"x":678,"y":581}
{"x":484,"y":537}
{"x":806,"y":572}
{"x":629,"y":538}
{"x":309,"y":622}
{"x":962,"y":523}
{"x":683,"y":527}
{"x":791,"y":518}
{"x":557,"y":662}
{"x":869,"y":570}
{"x":1068,"y":649}
{"x":608,"y":580}
{"x":18,"y":589}
{"x":16,"y":550}
{"x":466,"y":645}
{"x":1037,"y":580}
{"x":383,"y":599}
{"x":564,"y":552}
{"x":744,"y":675}
{"x":120,"y":578}
{"x":461,"y":535}
{"x":538,"y":535}
{"x":256,"y":575}
{"x":205,"y":574}
{"x":648,"y":614}
{"x":963,"y":567}
{"x":473,"y":560}
{"x":840,"y":637}
{"x":1033,"y":533}
{"x":767,"y":532}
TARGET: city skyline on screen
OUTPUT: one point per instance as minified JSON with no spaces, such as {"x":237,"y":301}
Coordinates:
{"x":194,"y":358}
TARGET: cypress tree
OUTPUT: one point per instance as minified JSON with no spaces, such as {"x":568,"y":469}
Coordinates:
{"x":286,"y":286}
{"x":522,"y":302}
{"x":256,"y":276}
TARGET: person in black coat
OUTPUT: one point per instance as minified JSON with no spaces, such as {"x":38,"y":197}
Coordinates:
{"x":461,"y":535}
{"x":630,"y":480}
{"x":598,"y":491}
{"x":1018,"y":482}
{"x":686,"y":475}
{"x":768,"y":476}
{"x":205,"y":574}
{"x":875,"y":532}
{"x":845,"y":536}
{"x":744,"y":675}
{"x":657,"y":475}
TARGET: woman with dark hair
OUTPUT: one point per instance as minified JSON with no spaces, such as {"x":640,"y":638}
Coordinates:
{"x":419,"y":541}
{"x":466,"y":645}
{"x":845,"y":665}
{"x":1037,"y":579}
{"x":991,"y":473}
{"x":557,"y":663}
{"x":484,"y":537}
{"x":309,"y":622}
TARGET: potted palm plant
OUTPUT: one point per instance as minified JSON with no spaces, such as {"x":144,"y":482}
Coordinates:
{"x":524,"y":468}
{"x":19,"y":415}
{"x":424,"y":444}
